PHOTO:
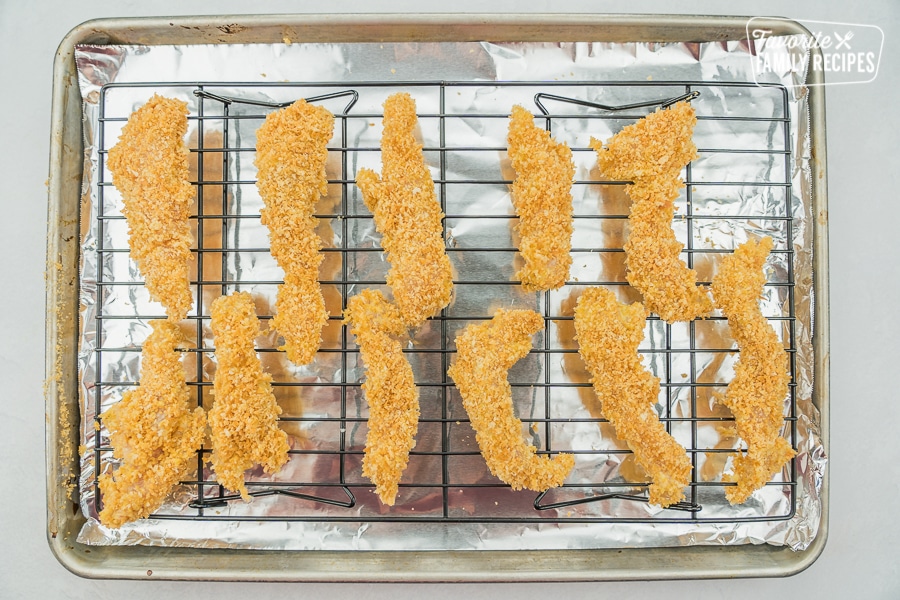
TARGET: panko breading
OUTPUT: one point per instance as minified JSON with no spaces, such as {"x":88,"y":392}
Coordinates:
{"x":651,"y":154}
{"x":389,"y":390}
{"x":756,"y":394}
{"x":149,"y":165}
{"x":542,"y":197}
{"x":484,"y":354}
{"x":153,"y":430}
{"x":290,"y":155}
{"x":608,"y":335}
{"x":243,"y":421}
{"x":577,"y":372}
{"x":408,"y":216}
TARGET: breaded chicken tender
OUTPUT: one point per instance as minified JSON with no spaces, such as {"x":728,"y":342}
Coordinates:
{"x":290,"y":156}
{"x":542,"y":198}
{"x":651,"y":154}
{"x":244,"y":418}
{"x":608,"y":335}
{"x":149,"y":165}
{"x":408,"y":216}
{"x":389,"y":390}
{"x":153,"y":431}
{"x":756,"y":394}
{"x":484,"y":354}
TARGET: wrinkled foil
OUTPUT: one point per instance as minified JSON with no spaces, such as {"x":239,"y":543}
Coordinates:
{"x":477,"y":518}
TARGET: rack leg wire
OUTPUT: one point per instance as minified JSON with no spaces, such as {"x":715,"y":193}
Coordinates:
{"x":544,"y":509}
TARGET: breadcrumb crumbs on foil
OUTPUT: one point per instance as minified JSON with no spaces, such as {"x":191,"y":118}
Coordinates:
{"x":608,"y":334}
{"x":389,"y":390}
{"x":542,"y":198}
{"x":651,"y":153}
{"x":291,"y":151}
{"x":243,"y":421}
{"x":153,"y":431}
{"x":757,"y":392}
{"x":408,"y":216}
{"x":149,"y":165}
{"x":484,"y":354}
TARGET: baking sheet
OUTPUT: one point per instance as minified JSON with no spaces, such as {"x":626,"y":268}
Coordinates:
{"x":473,"y":81}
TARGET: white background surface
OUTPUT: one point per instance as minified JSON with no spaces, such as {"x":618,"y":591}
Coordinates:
{"x":861,"y":557}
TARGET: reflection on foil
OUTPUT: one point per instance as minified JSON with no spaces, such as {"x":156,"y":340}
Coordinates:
{"x":752,"y":178}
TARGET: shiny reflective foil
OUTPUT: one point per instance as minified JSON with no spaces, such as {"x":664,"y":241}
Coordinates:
{"x":751,"y":179}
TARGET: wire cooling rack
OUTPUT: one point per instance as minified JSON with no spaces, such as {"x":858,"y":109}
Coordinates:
{"x":323,"y":406}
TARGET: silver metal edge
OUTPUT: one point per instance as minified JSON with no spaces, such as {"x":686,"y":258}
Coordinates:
{"x":822,"y":320}
{"x":231,"y":565}
{"x":63,"y":242}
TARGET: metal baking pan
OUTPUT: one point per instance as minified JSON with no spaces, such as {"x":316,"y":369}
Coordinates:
{"x":64,"y":232}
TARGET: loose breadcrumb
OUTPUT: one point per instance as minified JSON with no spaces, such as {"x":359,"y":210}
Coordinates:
{"x":651,"y":154}
{"x":291,"y":151}
{"x":756,"y":394}
{"x":408,"y":216}
{"x":64,"y":330}
{"x":153,"y":431}
{"x":149,"y":165}
{"x":542,"y":198}
{"x":484,"y":354}
{"x":389,"y":390}
{"x":244,"y":418}
{"x":608,"y":334}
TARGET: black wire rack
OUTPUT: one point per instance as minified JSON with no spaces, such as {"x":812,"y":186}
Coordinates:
{"x":324,"y":409}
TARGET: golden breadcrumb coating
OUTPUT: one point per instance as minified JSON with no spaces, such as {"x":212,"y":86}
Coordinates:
{"x":542,"y":197}
{"x":389,"y":390}
{"x":149,"y":165}
{"x":153,"y":430}
{"x":577,"y":372}
{"x":609,"y":333}
{"x":290,"y":156}
{"x":756,"y":394}
{"x":243,"y":421}
{"x":408,"y":216}
{"x":651,"y":154}
{"x":484,"y":354}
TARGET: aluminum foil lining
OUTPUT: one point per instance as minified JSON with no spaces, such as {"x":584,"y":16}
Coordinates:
{"x":752,"y":164}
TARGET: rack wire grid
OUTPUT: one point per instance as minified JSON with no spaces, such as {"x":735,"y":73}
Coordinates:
{"x":323,"y":406}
